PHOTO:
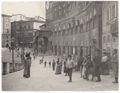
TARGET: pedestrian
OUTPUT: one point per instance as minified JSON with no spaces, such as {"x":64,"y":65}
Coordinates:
{"x":115,"y":65}
{"x":59,"y":67}
{"x":80,"y":64}
{"x":84,"y":63}
{"x":65,"y":68}
{"x":104,"y":64}
{"x":41,"y":60}
{"x":27,"y":66}
{"x":97,"y":65}
{"x":53,"y":64}
{"x":70,"y":66}
{"x":49,"y":63}
{"x":45,"y":63}
{"x":88,"y":66}
{"x":23,"y":57}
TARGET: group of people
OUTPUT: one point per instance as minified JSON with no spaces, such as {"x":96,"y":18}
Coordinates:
{"x":86,"y":65}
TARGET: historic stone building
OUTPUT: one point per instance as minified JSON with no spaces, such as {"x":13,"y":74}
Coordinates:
{"x":110,"y":26}
{"x":76,"y":27}
{"x":6,"y":30}
{"x":42,"y":42}
{"x":23,"y":32}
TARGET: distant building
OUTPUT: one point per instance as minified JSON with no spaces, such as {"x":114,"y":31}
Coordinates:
{"x":6,"y":30}
{"x":110,"y":26}
{"x":42,"y":42}
{"x":23,"y":31}
{"x":76,"y":27}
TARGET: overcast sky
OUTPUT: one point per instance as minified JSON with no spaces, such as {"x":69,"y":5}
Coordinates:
{"x":29,"y":9}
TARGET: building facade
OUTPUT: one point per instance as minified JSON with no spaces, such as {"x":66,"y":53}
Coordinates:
{"x":6,"y":30}
{"x":42,"y":42}
{"x":110,"y":26}
{"x":76,"y":27}
{"x":23,"y":32}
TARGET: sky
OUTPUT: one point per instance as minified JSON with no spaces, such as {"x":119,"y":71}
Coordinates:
{"x":27,"y":8}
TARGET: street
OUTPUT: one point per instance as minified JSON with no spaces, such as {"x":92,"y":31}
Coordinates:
{"x":44,"y":79}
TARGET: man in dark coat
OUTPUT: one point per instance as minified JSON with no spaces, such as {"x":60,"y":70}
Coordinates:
{"x":45,"y":64}
{"x":49,"y":63}
{"x":53,"y":64}
{"x":115,"y":65}
{"x":96,"y":65}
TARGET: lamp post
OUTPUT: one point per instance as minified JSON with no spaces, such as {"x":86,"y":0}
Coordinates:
{"x":13,"y":47}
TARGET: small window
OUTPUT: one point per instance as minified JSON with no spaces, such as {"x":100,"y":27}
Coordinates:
{"x":29,"y":27}
{"x":7,"y":37}
{"x":7,"y":30}
{"x":108,"y":38}
{"x":7,"y":40}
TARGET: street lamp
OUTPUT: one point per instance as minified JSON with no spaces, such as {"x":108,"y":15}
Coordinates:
{"x":13,"y":47}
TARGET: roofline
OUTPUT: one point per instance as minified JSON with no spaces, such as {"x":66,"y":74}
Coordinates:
{"x":29,"y":21}
{"x":6,"y":15}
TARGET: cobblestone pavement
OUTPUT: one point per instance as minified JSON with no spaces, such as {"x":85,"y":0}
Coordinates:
{"x":44,"y":79}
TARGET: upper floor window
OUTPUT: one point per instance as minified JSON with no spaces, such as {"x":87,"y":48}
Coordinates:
{"x":108,"y":38}
{"x":114,"y":11}
{"x":7,"y":25}
{"x":94,"y":11}
{"x":109,"y":13}
{"x":29,"y":27}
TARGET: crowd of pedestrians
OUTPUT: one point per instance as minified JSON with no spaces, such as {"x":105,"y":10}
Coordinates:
{"x":85,"y":65}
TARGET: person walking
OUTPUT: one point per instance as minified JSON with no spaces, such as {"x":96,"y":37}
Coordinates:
{"x":88,"y":66}
{"x":45,"y":63}
{"x":59,"y":67}
{"x":97,"y":65}
{"x":27,"y":65}
{"x":53,"y":64}
{"x":115,"y":65}
{"x":70,"y":66}
{"x":65,"y":68}
{"x":80,"y":64}
{"x":49,"y":63}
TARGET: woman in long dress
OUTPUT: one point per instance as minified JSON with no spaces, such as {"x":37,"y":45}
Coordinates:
{"x":27,"y":65}
{"x":59,"y":67}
